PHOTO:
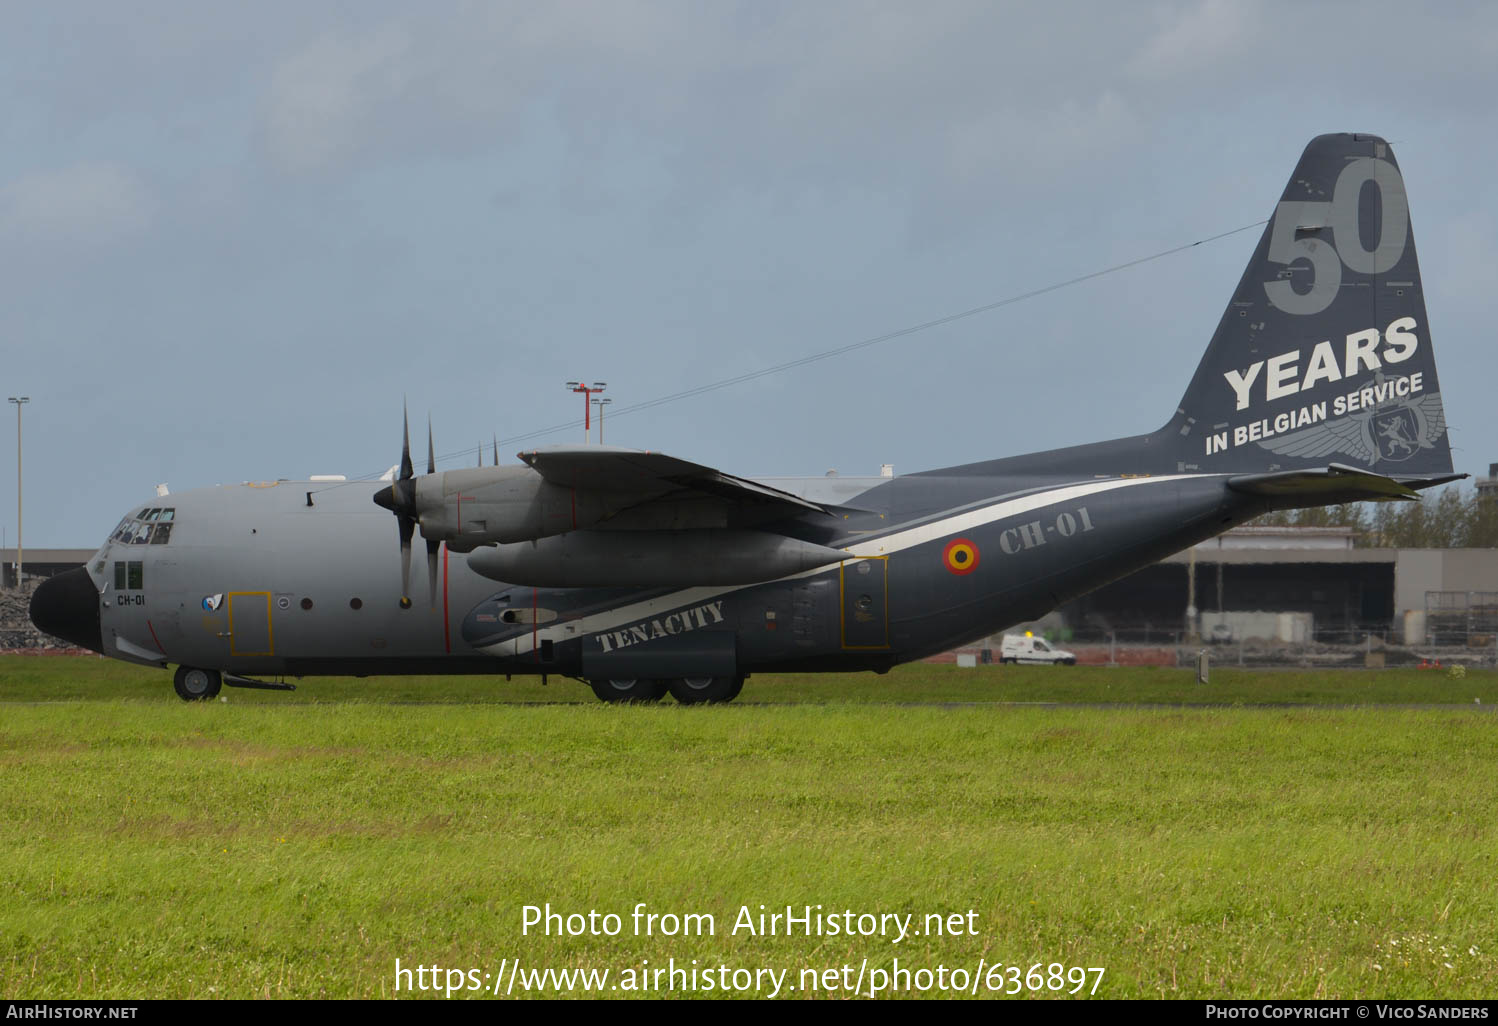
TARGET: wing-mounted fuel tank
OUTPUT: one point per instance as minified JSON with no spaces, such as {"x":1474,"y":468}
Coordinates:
{"x":606,"y":559}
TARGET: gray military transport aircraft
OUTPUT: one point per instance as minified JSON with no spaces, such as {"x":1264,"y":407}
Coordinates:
{"x":641,"y":573}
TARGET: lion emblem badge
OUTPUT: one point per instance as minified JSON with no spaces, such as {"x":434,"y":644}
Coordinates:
{"x":1392,"y":433}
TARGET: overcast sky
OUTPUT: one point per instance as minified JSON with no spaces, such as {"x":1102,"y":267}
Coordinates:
{"x":234,"y":236}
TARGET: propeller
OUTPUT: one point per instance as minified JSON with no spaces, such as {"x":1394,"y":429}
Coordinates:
{"x":432,"y":545}
{"x":400,"y":499}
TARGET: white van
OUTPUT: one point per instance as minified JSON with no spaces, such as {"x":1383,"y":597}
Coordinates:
{"x":1026,"y":648}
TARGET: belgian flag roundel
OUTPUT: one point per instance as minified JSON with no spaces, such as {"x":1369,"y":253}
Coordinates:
{"x":960,"y":556}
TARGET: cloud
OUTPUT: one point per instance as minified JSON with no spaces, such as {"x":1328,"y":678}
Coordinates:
{"x":450,"y":85}
{"x":1196,"y":39}
{"x":84,"y":203}
{"x":327,"y":97}
{"x":1031,"y":144}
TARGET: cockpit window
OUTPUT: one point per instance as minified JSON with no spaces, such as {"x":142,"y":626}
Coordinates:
{"x":151,"y":526}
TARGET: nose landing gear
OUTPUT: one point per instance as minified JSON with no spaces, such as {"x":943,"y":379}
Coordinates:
{"x":195,"y":685}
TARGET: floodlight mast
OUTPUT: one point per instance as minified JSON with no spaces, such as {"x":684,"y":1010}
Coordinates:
{"x":19,"y":401}
{"x":601,"y":403}
{"x":587,"y":391}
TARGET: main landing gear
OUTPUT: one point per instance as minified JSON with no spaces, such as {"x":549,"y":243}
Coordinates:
{"x":686,"y":690}
{"x":195,"y":685}
{"x":629,"y":689}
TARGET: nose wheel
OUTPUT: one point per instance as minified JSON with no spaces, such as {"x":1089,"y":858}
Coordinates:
{"x":196,"y":685}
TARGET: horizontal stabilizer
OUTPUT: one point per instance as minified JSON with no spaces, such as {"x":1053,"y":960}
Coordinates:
{"x":1334,"y":483}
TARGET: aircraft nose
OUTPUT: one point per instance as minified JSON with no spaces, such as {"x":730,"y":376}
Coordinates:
{"x":67,"y":607}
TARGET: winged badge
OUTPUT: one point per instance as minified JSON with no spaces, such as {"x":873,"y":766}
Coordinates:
{"x":1393,"y":433}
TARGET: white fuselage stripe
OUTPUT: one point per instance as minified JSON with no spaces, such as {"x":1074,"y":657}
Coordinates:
{"x":957,"y":523}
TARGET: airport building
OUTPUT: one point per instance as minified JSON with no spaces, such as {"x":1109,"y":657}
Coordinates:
{"x":1299,"y":584}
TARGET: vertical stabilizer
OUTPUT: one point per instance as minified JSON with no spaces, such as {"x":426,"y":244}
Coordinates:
{"x":1324,"y":354}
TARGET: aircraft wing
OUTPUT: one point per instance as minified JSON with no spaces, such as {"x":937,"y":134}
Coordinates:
{"x":650,"y":474}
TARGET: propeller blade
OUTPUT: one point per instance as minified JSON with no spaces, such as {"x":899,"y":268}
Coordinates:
{"x":431,"y":453}
{"x":481,"y":454}
{"x":407,"y":528}
{"x":432,"y":547}
{"x":496,"y":450}
{"x":407,"y":471}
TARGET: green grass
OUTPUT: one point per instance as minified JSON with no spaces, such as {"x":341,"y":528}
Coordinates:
{"x":50,"y":678}
{"x":261,"y":847}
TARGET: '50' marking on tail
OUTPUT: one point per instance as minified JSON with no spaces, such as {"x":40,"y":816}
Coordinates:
{"x":1341,"y":216}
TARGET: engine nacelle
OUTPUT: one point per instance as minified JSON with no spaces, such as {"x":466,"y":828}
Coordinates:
{"x":601,"y":559}
{"x":483,"y":505}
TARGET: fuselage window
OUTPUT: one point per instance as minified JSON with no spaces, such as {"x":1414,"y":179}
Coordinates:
{"x":135,"y":574}
{"x":119,"y":576}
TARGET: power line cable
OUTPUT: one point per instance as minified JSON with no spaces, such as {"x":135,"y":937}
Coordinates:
{"x":850,"y":347}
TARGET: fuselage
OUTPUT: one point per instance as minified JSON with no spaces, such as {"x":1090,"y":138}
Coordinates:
{"x":298,"y":578}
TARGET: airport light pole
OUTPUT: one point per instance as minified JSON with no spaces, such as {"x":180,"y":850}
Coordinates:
{"x":587,"y":391}
{"x":601,"y":403}
{"x":19,"y":401}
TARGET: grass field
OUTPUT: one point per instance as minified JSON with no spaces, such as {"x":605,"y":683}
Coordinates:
{"x":52,"y":678}
{"x":297,"y":845}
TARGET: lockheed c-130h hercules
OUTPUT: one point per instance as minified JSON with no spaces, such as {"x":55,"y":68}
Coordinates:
{"x":642,"y":573}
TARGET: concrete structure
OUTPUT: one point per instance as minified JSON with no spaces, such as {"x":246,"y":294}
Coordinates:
{"x":1487,"y":487}
{"x":41,"y":563}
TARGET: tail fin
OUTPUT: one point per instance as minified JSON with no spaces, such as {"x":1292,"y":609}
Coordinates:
{"x":1324,"y":354}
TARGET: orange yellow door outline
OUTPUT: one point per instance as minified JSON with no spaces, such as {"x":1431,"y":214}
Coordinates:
{"x":270,"y":639}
